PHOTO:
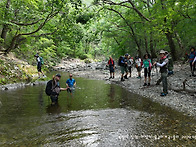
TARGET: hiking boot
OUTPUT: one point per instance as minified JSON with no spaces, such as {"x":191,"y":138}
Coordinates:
{"x":148,"y":84}
{"x":113,"y":77}
{"x":163,"y":94}
{"x":110,"y":77}
{"x":145,"y":84}
{"x":122,"y":79}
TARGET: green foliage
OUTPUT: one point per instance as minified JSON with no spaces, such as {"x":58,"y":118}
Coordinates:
{"x":93,"y":28}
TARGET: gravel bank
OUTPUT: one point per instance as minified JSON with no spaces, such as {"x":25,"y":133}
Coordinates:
{"x":183,"y":100}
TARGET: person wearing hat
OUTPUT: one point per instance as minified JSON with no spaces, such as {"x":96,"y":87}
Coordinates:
{"x":39,"y":65}
{"x":163,"y":70}
{"x":192,"y":57}
{"x":56,"y":89}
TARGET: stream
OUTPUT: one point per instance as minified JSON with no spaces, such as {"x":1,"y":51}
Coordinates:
{"x":96,"y":115}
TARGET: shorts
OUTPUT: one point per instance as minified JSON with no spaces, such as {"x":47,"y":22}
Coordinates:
{"x":111,"y":68}
{"x":71,"y":90}
{"x":123,"y":69}
{"x":147,"y":72}
{"x":139,"y":68}
{"x":39,"y":67}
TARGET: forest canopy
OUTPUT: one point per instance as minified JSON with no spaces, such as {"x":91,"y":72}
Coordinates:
{"x":92,"y":28}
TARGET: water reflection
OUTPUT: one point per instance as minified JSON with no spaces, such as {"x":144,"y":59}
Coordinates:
{"x":53,"y":109}
{"x":98,"y":114}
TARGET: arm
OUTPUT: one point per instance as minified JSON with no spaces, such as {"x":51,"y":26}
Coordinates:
{"x":67,"y":84}
{"x":63,"y":89}
{"x":161,"y":65}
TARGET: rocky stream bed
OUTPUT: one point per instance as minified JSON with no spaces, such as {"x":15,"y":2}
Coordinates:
{"x":182,"y":87}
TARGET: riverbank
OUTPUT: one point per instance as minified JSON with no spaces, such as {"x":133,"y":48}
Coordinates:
{"x":181,"y":97}
{"x":16,"y":73}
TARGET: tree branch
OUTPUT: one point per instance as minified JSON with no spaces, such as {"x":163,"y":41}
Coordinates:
{"x":26,"y":24}
{"x":133,"y":7}
{"x":45,"y":34}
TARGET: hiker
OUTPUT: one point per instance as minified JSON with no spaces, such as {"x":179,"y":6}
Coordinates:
{"x":55,"y":89}
{"x":126,"y":65}
{"x":39,"y":64}
{"x":111,"y":65}
{"x":163,"y":70}
{"x":122,"y":62}
{"x":71,"y":83}
{"x":147,"y":64}
{"x":170,"y":63}
{"x":130,"y":64}
{"x":138,"y":66}
{"x":191,"y":57}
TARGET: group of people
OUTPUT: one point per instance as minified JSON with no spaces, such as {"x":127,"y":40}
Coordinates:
{"x":126,"y":64}
{"x":165,"y":63}
{"x":53,"y":88}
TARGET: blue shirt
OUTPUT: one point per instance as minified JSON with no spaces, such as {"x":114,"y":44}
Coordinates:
{"x":70,"y":82}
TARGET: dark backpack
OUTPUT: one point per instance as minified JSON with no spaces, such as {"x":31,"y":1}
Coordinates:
{"x":121,"y":61}
{"x":48,"y":89}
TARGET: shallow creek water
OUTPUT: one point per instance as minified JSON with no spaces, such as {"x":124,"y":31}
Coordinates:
{"x":97,"y":114}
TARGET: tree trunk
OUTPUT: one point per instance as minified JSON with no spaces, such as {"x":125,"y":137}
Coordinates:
{"x":171,"y":45}
{"x":13,"y":43}
{"x":180,"y":43}
{"x":153,"y":53}
{"x":5,"y":26}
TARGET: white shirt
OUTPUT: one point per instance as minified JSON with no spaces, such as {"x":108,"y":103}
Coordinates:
{"x":38,"y":59}
{"x":138,"y":61}
{"x":130,"y":62}
{"x":163,"y":64}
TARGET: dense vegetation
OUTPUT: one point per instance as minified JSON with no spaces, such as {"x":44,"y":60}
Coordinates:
{"x":87,"y":28}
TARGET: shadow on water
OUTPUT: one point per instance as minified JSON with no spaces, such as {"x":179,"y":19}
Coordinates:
{"x":97,"y":114}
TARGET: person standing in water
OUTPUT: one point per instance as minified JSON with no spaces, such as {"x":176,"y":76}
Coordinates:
{"x":71,"y":83}
{"x":55,"y":90}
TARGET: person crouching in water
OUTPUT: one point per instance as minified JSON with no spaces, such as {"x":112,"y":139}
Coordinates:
{"x":71,"y":83}
{"x":147,"y":64}
{"x":163,"y":70}
{"x":111,"y":65}
{"x":56,"y":89}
